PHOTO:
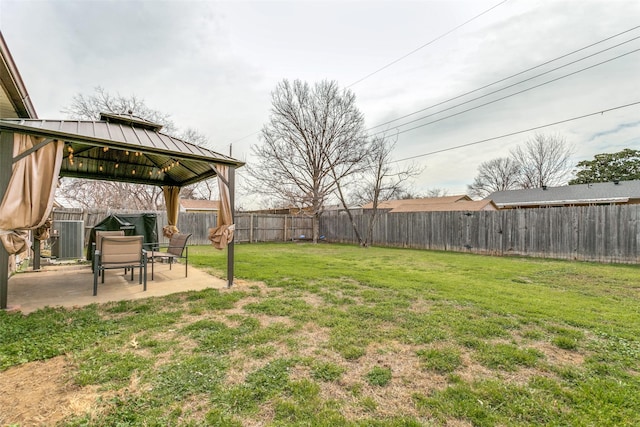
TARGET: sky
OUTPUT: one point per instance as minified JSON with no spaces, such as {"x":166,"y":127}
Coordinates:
{"x":212,"y":65}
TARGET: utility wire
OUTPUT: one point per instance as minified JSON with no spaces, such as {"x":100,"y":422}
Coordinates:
{"x":244,"y":137}
{"x":517,"y":132}
{"x":403,"y":57}
{"x":427,"y":44}
{"x":480,"y":88}
{"x":500,"y":99}
{"x":517,"y":74}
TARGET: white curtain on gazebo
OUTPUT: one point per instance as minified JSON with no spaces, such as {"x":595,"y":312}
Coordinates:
{"x":222,"y":235}
{"x":29,"y":197}
{"x":172,"y":202}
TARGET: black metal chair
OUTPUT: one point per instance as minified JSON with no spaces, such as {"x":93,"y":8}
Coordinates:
{"x":176,"y":249}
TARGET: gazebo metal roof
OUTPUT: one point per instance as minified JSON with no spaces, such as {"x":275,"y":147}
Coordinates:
{"x":123,"y":147}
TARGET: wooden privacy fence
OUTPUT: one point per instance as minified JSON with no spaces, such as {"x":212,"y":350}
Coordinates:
{"x":591,"y":233}
{"x":253,"y":228}
{"x":250,"y":228}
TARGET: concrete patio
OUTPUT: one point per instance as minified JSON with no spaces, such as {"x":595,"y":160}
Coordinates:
{"x":71,"y":285}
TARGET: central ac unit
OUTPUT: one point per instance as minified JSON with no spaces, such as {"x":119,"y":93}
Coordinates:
{"x":70,"y":242}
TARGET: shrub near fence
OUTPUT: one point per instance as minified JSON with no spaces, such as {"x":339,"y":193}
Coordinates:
{"x":590,"y":233}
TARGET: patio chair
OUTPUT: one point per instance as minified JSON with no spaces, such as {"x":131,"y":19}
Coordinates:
{"x":97,"y":245}
{"x":120,"y":252}
{"x":176,"y":249}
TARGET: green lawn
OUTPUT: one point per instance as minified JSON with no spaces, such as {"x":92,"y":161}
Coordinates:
{"x":336,"y":335}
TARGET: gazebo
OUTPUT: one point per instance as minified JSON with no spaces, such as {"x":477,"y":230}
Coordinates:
{"x":34,"y":153}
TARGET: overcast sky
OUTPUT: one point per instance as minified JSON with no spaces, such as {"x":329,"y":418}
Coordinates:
{"x":212,"y":65}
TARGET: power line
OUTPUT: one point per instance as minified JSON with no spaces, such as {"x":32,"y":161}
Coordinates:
{"x":401,"y":58}
{"x":517,"y":74}
{"x":244,"y":137}
{"x":502,"y":98}
{"x":517,"y":132}
{"x":427,"y":44}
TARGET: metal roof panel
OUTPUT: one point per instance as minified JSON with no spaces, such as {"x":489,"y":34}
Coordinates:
{"x":155,"y":151}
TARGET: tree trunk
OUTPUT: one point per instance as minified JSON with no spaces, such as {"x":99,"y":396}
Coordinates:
{"x":316,"y":227}
{"x":346,"y":208}
{"x":372,"y":222}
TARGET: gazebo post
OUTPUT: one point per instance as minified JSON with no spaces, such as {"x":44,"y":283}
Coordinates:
{"x":231,"y":245}
{"x":35,"y":243}
{"x":6,"y":169}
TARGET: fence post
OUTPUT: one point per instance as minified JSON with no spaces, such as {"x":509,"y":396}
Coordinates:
{"x":250,"y":228}
{"x":284,"y":229}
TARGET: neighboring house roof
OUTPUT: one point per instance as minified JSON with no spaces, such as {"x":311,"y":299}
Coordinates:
{"x":14,"y":98}
{"x":460,"y":205}
{"x":434,"y":204}
{"x":569,"y":195}
{"x":392,"y":204}
{"x":199,"y":205}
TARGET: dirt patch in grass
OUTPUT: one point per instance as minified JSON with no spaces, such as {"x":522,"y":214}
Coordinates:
{"x":559,"y":356}
{"x":243,"y":364}
{"x":471,"y":371}
{"x":266,"y":320}
{"x":193,"y":407}
{"x":311,"y":340}
{"x":395,"y":398}
{"x":239,"y":306}
{"x":41,"y":393}
{"x":313,"y":300}
{"x":263,"y":417}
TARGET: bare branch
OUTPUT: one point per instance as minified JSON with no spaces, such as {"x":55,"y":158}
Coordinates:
{"x":543,"y":161}
{"x":314,"y":138}
{"x":495,"y":175}
{"x":118,"y":195}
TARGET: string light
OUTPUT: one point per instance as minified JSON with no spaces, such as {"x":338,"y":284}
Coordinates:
{"x":117,"y":164}
{"x":100,"y":168}
{"x":133,"y":172}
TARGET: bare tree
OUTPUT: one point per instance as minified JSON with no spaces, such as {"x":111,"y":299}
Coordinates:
{"x":119,"y":195}
{"x":116,"y":195}
{"x":437,"y":192}
{"x":207,"y":189}
{"x":89,"y":107}
{"x":543,"y":161}
{"x":409,"y":194}
{"x":380,"y":180}
{"x":498,"y":174}
{"x":314,"y":138}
